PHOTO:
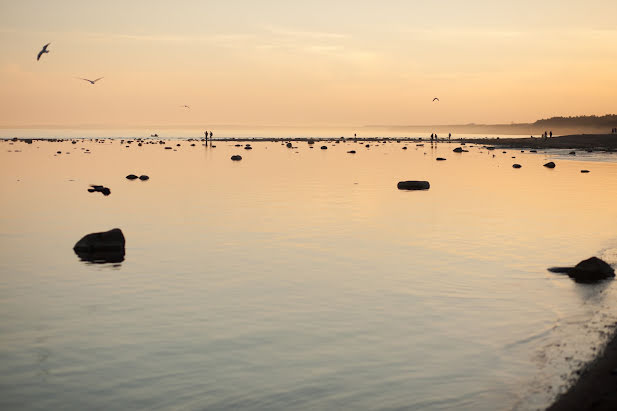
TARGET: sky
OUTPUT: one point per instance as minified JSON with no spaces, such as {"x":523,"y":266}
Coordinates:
{"x":301,"y":63}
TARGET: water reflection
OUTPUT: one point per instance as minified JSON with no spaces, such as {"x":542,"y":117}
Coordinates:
{"x":101,"y":257}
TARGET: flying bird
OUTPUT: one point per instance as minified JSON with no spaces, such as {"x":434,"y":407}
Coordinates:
{"x":185,"y":106}
{"x":435,"y":99}
{"x":90,"y":81}
{"x":43,"y":51}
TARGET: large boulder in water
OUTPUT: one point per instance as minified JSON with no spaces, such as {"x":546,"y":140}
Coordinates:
{"x":413,"y":185}
{"x":112,"y":240}
{"x":550,"y":164}
{"x":587,"y":271}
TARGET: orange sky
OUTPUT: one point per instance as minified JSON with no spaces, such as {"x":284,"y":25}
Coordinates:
{"x":305,"y":63}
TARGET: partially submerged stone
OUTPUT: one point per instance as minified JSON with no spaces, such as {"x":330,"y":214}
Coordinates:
{"x":112,"y":240}
{"x":587,"y":271}
{"x":413,"y":185}
{"x":550,"y":164}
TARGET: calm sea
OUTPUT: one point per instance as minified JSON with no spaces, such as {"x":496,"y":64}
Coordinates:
{"x":300,"y":278}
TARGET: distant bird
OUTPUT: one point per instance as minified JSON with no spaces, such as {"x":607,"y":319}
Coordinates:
{"x":90,"y":81}
{"x":185,"y":106}
{"x":43,"y":51}
{"x":435,"y":99}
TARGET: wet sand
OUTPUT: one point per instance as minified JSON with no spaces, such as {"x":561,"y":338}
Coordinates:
{"x":596,"y":388}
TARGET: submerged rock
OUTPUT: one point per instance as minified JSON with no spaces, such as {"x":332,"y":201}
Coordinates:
{"x":440,"y":159}
{"x":144,"y":177}
{"x":352,"y":151}
{"x":516,"y":166}
{"x":105,"y":247}
{"x":458,"y":150}
{"x":550,"y":164}
{"x":236,"y":158}
{"x":112,"y":240}
{"x":587,"y":271}
{"x":324,"y":147}
{"x":584,"y":171}
{"x":100,"y":189}
{"x":413,"y":185}
{"x":131,"y":177}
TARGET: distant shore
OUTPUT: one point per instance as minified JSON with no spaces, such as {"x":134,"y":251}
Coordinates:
{"x":576,"y":141}
{"x":596,"y":388}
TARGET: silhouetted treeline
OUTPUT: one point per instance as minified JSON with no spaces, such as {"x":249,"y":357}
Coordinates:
{"x":608,"y":121}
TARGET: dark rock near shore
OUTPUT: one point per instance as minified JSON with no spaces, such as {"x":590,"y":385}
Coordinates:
{"x":352,"y":151}
{"x":440,"y":159}
{"x":458,"y":150}
{"x":584,"y":171}
{"x":413,"y":185}
{"x":144,"y":177}
{"x":550,"y":164}
{"x":289,"y":145}
{"x":587,"y":271}
{"x":236,"y":158}
{"x":131,"y":177}
{"x":324,"y":147}
{"x":516,"y":166}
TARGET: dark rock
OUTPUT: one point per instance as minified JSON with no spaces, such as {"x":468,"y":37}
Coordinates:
{"x":587,"y":271}
{"x":352,"y":151}
{"x":413,"y":185}
{"x":310,"y":141}
{"x":404,"y":148}
{"x":58,"y":152}
{"x":289,"y":145}
{"x":248,"y":148}
{"x":131,"y":177}
{"x":550,"y":164}
{"x":236,"y":158}
{"x":533,"y":151}
{"x":440,"y":159}
{"x":100,"y":189}
{"x":584,"y":171}
{"x":144,"y":177}
{"x":167,"y":148}
{"x":572,"y":153}
{"x":324,"y":147}
{"x":516,"y":166}
{"x":458,"y":150}
{"x":107,"y":246}
{"x":367,"y":146}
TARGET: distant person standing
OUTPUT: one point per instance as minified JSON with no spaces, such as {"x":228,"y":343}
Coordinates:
{"x":432,"y":134}
{"x":449,"y":136}
{"x":551,"y":134}
{"x":206,"y":133}
{"x":211,"y":136}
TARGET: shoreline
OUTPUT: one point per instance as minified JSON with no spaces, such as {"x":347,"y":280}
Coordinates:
{"x":602,"y":142}
{"x":596,"y":387}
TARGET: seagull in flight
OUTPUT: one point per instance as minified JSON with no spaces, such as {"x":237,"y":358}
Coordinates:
{"x":185,"y":106}
{"x":90,"y":81}
{"x":43,"y":51}
{"x":435,"y":99}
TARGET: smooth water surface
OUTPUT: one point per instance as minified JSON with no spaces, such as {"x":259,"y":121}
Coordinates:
{"x":299,"y":278}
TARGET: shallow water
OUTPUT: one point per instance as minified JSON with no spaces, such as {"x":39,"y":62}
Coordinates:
{"x":300,"y":278}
